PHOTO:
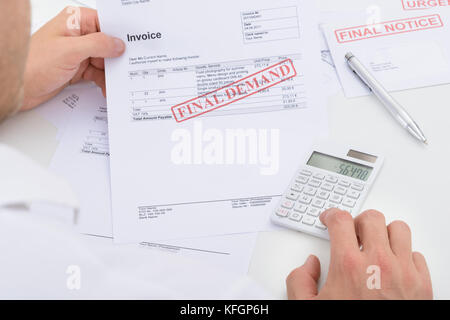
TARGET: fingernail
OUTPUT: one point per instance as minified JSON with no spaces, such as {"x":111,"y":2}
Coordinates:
{"x":119,"y":45}
{"x":324,"y":214}
{"x":309,"y":260}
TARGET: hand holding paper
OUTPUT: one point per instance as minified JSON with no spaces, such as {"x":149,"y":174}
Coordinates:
{"x":68,"y":49}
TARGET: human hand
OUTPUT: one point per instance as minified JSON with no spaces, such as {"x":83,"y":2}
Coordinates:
{"x":66,"y":50}
{"x":358,"y":248}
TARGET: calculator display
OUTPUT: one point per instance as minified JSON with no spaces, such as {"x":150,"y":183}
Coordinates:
{"x":340,"y":166}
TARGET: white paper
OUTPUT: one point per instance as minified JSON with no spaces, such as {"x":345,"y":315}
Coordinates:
{"x":203,"y":46}
{"x":83,"y":159}
{"x":399,"y":56}
{"x":330,"y":79}
{"x":58,"y":110}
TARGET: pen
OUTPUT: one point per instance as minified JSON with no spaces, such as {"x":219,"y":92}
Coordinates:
{"x":397,"y":111}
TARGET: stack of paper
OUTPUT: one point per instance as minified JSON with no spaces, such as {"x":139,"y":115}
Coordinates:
{"x":203,"y":186}
{"x":223,"y":171}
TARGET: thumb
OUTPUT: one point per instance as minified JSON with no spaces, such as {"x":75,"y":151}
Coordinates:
{"x":302,"y":282}
{"x":94,"y":45}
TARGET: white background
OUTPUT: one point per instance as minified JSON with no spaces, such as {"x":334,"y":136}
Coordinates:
{"x":412,"y":186}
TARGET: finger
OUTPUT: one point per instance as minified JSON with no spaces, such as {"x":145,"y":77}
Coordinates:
{"x":302,"y":282}
{"x":421,"y":264}
{"x":372,"y":231}
{"x":99,"y":63}
{"x":94,"y":45}
{"x":422,"y":268}
{"x":400,"y":239}
{"x":80,"y":73}
{"x":97,"y":76}
{"x":76,"y":21}
{"x":341,"y":229}
{"x":89,"y":22}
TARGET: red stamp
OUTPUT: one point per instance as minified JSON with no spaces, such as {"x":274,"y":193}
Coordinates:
{"x":236,"y":91}
{"x":424,"y":4}
{"x":388,"y":28}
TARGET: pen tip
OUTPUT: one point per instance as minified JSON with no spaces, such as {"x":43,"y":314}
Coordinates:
{"x":426,"y":142}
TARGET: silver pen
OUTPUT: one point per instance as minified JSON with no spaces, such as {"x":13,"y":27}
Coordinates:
{"x":386,"y":99}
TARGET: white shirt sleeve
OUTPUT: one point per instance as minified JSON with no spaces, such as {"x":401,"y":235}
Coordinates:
{"x":43,"y":258}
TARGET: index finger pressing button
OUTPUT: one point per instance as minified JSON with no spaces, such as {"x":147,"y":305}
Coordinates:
{"x":341,"y":229}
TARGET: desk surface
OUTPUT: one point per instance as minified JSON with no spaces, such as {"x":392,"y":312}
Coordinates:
{"x":412,"y":185}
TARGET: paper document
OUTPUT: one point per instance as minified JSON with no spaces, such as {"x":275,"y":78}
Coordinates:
{"x":181,"y":166}
{"x":330,"y":79}
{"x":404,"y":50}
{"x":58,"y":110}
{"x":83,"y":159}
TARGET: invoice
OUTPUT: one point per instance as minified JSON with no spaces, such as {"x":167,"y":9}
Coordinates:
{"x":205,"y":45}
{"x":83,"y":159}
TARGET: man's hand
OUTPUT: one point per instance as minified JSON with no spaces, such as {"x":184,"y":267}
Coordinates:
{"x":359,"y":249}
{"x":66,"y":50}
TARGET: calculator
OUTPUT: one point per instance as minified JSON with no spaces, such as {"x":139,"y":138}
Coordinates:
{"x":332,"y":177}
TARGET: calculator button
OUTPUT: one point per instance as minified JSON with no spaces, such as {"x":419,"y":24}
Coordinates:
{"x":319,"y":176}
{"x":332,"y":179}
{"x":334,"y":206}
{"x":327,"y":186}
{"x":302,"y":179}
{"x":324,"y":195}
{"x":340,"y":190}
{"x":297,"y":187}
{"x":315,"y":183}
{"x":331,"y":205}
{"x":310,"y":191}
{"x":293,"y":195}
{"x":306,"y":173}
{"x":305,"y":199}
{"x":320,"y":225}
{"x":344,"y":183}
{"x":353,"y":194}
{"x":313,"y":212}
{"x":349,"y":203}
{"x":357,"y":187}
{"x":295,"y":217}
{"x":282,"y":212}
{"x":309,"y":220}
{"x":318,"y":203}
{"x":301,"y":208}
{"x":288,"y":204}
{"x":336,"y":198}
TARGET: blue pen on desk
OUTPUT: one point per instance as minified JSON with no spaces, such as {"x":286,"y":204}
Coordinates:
{"x":386,"y":99}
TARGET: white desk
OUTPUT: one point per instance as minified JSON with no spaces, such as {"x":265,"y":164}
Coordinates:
{"x":412,"y":186}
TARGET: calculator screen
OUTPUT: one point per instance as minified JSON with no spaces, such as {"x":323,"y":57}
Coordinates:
{"x":340,"y":166}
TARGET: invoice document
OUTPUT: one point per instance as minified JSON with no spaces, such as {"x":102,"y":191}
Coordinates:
{"x":177,"y":172}
{"x":58,"y":110}
{"x":82,"y":158}
{"x":405,"y":49}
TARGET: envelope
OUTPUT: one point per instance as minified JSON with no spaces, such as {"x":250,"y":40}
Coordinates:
{"x":404,"y":50}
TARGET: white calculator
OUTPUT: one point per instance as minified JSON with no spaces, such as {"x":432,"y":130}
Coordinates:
{"x":332,"y":177}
